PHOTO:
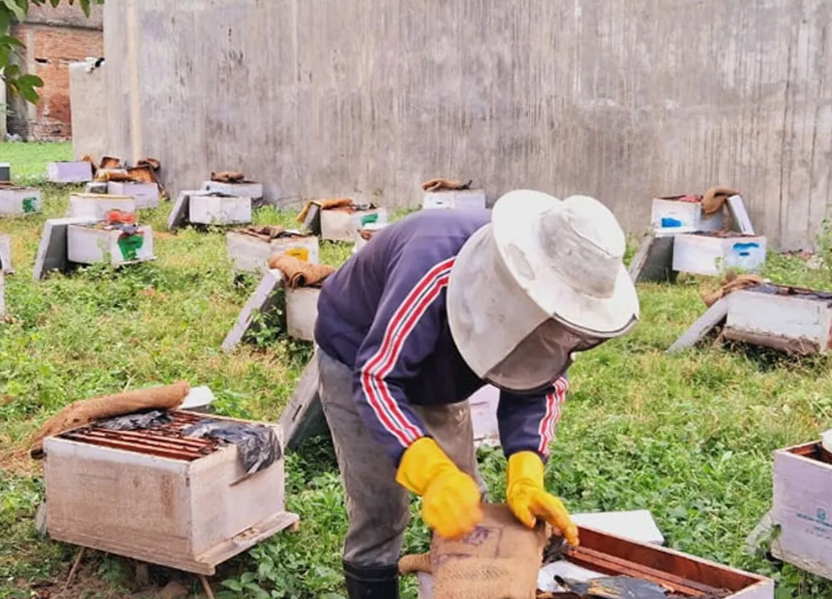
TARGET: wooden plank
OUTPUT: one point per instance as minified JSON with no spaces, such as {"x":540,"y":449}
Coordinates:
{"x":739,"y":215}
{"x":179,"y":214}
{"x":262,"y":301}
{"x":712,"y":317}
{"x":6,"y":255}
{"x":653,"y":260}
{"x":303,"y":417}
{"x":52,"y":252}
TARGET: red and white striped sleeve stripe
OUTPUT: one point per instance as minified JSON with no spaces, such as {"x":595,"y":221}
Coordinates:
{"x":554,"y":402}
{"x":380,"y":364}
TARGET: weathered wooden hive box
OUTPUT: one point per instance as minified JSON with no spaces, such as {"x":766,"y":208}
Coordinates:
{"x":463,"y":199}
{"x":245,"y":189}
{"x":158,"y":497}
{"x":803,"y":508}
{"x":17,"y":201}
{"x":302,"y":312}
{"x":712,"y":254}
{"x":69,"y":172}
{"x":250,"y":253}
{"x":670,"y":212}
{"x":146,"y":195}
{"x":90,"y":244}
{"x":219,"y":209}
{"x":684,"y":575}
{"x":341,"y":224}
{"x":787,"y":318}
{"x":97,"y":205}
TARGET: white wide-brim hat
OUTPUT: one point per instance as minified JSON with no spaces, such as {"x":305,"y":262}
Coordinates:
{"x":540,"y":258}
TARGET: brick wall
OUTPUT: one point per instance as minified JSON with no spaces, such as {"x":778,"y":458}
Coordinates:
{"x":54,"y":38}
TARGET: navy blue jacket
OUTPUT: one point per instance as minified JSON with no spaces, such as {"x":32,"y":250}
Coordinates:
{"x":383,"y":314}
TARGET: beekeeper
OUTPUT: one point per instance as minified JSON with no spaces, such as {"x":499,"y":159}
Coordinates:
{"x":437,"y":305}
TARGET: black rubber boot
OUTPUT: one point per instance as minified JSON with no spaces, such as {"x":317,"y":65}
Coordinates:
{"x":374,"y":582}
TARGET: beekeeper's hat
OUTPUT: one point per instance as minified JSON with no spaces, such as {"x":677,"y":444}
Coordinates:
{"x":544,"y":279}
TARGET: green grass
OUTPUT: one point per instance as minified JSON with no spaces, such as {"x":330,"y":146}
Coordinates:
{"x":688,"y":436}
{"x":29,"y":159}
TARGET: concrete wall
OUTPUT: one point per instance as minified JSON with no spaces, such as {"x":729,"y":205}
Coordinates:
{"x":623,"y":100}
{"x":88,"y":99}
{"x":54,"y":38}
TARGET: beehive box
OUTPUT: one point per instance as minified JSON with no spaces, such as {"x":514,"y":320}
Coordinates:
{"x":146,"y":195}
{"x":791,"y":319}
{"x":244,"y":189}
{"x":339,"y":224}
{"x":365,"y":233}
{"x":91,"y":244}
{"x":670,"y":212}
{"x":686,"y":576}
{"x":709,"y":254}
{"x":483,"y":405}
{"x":5,"y":171}
{"x":802,"y":508}
{"x":158,"y":504}
{"x":302,"y":312}
{"x":249,"y":253}
{"x":18,"y":201}
{"x":219,"y":209}
{"x":463,"y":199}
{"x":69,"y":172}
{"x":97,"y":205}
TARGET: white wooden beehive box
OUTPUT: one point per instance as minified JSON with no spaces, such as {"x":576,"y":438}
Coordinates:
{"x":302,"y":312}
{"x":711,"y":255}
{"x":796,"y":320}
{"x":69,"y":172}
{"x":251,"y":254}
{"x":372,"y":229}
{"x":97,"y":205}
{"x":483,"y":405}
{"x":341,"y":225}
{"x":18,"y":201}
{"x":244,"y":189}
{"x":219,"y":210}
{"x":463,"y":199}
{"x":164,"y":504}
{"x":802,"y":508}
{"x":670,"y":213}
{"x":146,"y":195}
{"x":90,"y":245}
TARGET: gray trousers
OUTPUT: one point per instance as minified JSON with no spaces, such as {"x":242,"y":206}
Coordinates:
{"x":377,"y":505}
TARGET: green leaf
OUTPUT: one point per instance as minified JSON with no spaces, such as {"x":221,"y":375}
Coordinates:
{"x":30,"y":81}
{"x":17,"y":7}
{"x":5,"y":19}
{"x":232,"y":584}
{"x":85,"y":6}
{"x":10,"y":41}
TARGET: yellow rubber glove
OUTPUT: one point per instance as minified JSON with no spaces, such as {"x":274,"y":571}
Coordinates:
{"x":450,"y":498}
{"x":529,"y":500}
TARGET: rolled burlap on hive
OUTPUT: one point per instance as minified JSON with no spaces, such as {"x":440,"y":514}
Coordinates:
{"x":500,"y":559}
{"x":86,"y":411}
{"x":299,"y":273}
{"x":732,"y":282}
{"x":440,"y":184}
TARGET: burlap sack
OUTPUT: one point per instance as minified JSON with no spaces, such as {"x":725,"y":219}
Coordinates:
{"x":299,"y":273}
{"x":89,"y":410}
{"x":500,"y":559}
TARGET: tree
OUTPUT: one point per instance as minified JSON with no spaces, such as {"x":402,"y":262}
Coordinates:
{"x":11,"y":10}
